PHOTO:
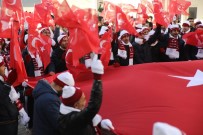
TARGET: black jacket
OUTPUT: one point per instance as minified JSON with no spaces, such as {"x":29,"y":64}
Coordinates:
{"x":80,"y":123}
{"x":58,"y":60}
{"x":8,"y":110}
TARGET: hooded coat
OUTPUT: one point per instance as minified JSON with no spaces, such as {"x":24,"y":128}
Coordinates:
{"x":46,"y":109}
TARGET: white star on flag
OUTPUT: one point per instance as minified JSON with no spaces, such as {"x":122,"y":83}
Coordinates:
{"x":196,"y":80}
{"x":42,"y":48}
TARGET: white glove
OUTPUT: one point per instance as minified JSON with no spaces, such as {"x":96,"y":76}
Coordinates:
{"x":96,"y":120}
{"x":107,"y":124}
{"x":24,"y":119}
{"x":97,"y":66}
{"x":13,"y":95}
{"x":24,"y":83}
{"x":122,"y":53}
{"x":88,"y":63}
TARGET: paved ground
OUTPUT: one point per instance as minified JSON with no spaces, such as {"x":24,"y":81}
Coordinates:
{"x":23,"y":130}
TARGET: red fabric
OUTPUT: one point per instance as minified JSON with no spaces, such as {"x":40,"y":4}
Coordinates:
{"x":52,"y":5}
{"x":83,"y":35}
{"x":8,"y":7}
{"x":160,"y":15}
{"x":42,"y":15}
{"x":59,"y":82}
{"x":109,"y":12}
{"x":44,"y":48}
{"x":32,"y":81}
{"x":179,"y":7}
{"x":16,"y":60}
{"x":122,"y":23}
{"x":141,"y":14}
{"x":148,"y":5}
{"x":105,"y":44}
{"x":134,"y":97}
{"x":70,"y":101}
{"x":194,"y":38}
{"x":19,"y":105}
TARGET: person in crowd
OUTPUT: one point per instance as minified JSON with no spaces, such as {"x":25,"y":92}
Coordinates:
{"x":10,"y":105}
{"x":146,"y":45}
{"x":185,"y":28}
{"x":47,"y":103}
{"x":125,"y":51}
{"x":58,"y":55}
{"x":75,"y":118}
{"x":172,"y":45}
{"x":192,"y":24}
{"x":34,"y":68}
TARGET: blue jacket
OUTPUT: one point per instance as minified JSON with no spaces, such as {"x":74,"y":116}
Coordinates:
{"x":46,"y":109}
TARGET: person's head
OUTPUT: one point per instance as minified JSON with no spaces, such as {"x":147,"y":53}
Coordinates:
{"x":124,"y":36}
{"x":174,"y":30}
{"x":45,"y":31}
{"x":63,"y":79}
{"x":199,"y":27}
{"x":150,"y":18}
{"x":63,"y":41}
{"x":2,"y":66}
{"x":186,"y":26}
{"x":191,"y":20}
{"x":73,"y":97}
{"x":197,"y":22}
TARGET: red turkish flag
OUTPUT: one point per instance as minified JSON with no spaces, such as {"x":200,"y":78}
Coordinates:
{"x":148,"y":5}
{"x":105,"y":44}
{"x":83,"y":29}
{"x":164,"y":92}
{"x":42,"y":15}
{"x":109,"y":12}
{"x":141,"y":16}
{"x":160,"y":15}
{"x":122,"y":23}
{"x":43,"y":46}
{"x":16,"y":60}
{"x":194,"y":38}
{"x":51,"y":5}
{"x":9,"y":8}
{"x":179,"y":7}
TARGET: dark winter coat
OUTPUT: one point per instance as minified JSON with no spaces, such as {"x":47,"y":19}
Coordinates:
{"x":8,"y":112}
{"x":58,"y":60}
{"x":163,"y":45}
{"x":80,"y":123}
{"x":46,"y":109}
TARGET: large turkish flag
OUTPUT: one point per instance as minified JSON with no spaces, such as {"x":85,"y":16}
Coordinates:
{"x":135,"y":97}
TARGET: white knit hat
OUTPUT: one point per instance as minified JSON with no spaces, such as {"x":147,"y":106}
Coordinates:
{"x":174,"y":26}
{"x":64,"y":78}
{"x":161,"y":128}
{"x":122,"y":33}
{"x":59,"y":39}
{"x":186,"y":24}
{"x":70,"y":95}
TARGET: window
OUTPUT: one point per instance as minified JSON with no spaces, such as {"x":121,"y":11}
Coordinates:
{"x":193,"y":12}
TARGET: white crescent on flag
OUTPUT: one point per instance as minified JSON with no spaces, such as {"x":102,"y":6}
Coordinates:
{"x":102,"y":42}
{"x":11,"y":2}
{"x":8,"y":12}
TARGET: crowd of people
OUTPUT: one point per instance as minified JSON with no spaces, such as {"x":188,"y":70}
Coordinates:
{"x":59,"y":107}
